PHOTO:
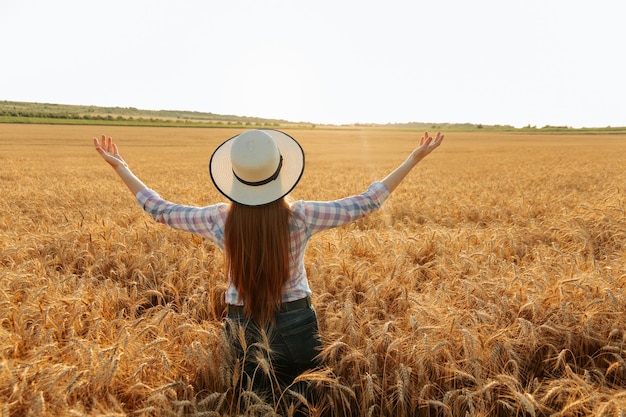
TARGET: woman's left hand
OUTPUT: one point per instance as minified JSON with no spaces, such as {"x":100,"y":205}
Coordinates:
{"x":109,"y":152}
{"x":427,"y":145}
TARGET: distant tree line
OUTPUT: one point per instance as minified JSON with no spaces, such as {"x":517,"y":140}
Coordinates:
{"x":109,"y":117}
{"x":36,"y":116}
{"x":23,"y":111}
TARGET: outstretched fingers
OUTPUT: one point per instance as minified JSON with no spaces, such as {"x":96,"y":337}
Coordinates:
{"x":109,"y":151}
{"x":105,"y":144}
{"x":428,"y":144}
{"x":438,"y":139}
{"x":108,"y":143}
{"x":116,"y":152}
{"x":426,"y":140}
{"x":423,"y":138}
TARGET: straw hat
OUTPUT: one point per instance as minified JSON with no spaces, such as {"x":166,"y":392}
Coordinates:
{"x":257,"y":167}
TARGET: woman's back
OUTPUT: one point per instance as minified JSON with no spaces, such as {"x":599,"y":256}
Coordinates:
{"x":268,"y":297}
{"x":256,"y":241}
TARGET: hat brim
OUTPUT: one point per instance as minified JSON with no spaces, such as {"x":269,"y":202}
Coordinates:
{"x":221,"y":171}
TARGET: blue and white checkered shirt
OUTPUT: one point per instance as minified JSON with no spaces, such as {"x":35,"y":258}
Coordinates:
{"x":308,"y":218}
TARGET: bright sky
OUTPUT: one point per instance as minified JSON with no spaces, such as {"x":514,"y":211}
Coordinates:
{"x":517,"y":62}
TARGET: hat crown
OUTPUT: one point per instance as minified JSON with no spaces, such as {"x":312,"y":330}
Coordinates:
{"x":254,"y":156}
{"x":257,"y":167}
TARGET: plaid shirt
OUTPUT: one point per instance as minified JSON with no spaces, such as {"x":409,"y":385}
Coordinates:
{"x":308,"y":218}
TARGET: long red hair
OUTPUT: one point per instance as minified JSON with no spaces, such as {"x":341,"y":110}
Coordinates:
{"x":256,"y":239}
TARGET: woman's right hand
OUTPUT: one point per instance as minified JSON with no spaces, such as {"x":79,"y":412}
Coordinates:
{"x":109,"y":152}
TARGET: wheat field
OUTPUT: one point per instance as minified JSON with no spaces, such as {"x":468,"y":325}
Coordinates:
{"x":491,"y":283}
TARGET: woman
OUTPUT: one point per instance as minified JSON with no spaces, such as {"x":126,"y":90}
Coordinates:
{"x":264,"y":238}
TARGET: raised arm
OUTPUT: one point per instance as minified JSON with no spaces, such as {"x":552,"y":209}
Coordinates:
{"x":109,"y":152}
{"x":427,"y":145}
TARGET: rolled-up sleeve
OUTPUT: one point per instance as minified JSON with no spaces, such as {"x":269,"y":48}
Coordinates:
{"x":325,"y":215}
{"x":207,"y":221}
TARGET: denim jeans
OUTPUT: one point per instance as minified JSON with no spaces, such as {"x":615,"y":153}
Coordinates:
{"x":293,"y":341}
